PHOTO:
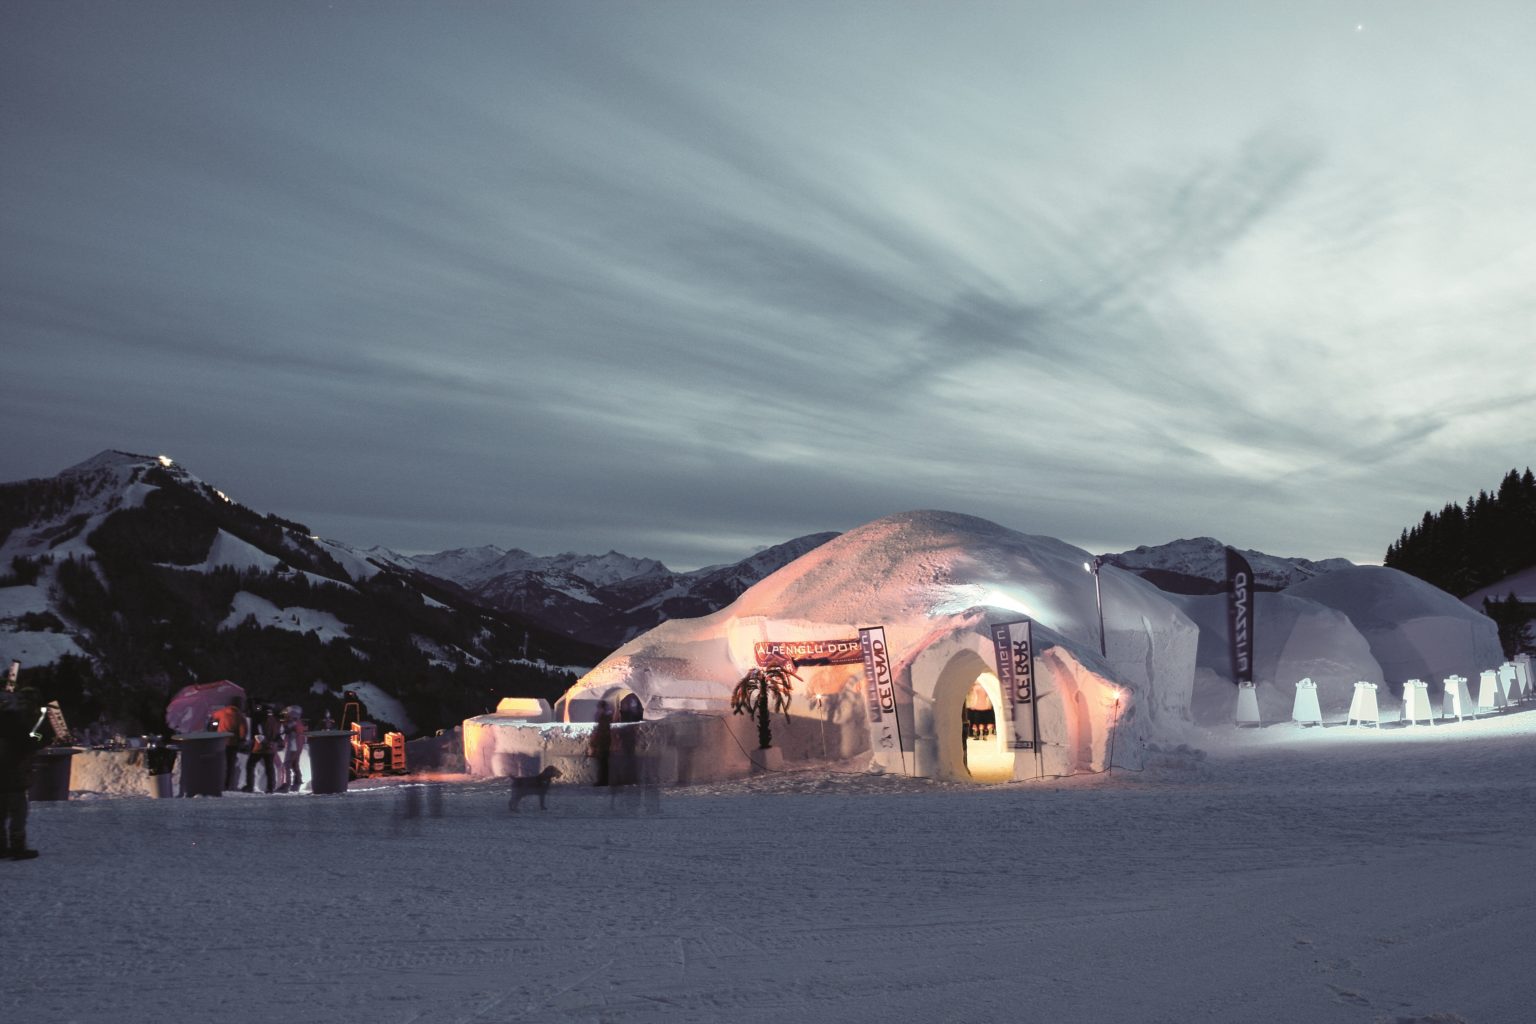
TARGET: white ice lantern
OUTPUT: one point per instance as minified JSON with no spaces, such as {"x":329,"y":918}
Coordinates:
{"x":1457,"y":701}
{"x":1363,"y":708}
{"x":1305,"y":710}
{"x":1247,"y":704}
{"x":1416,"y":702}
{"x":1490,"y":695}
{"x":1509,"y":682}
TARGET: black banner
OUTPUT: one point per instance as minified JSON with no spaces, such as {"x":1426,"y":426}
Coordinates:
{"x":1240,"y":616}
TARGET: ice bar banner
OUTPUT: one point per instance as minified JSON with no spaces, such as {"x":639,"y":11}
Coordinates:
{"x":1014,"y":645}
{"x":1240,"y":616}
{"x":889,"y":736}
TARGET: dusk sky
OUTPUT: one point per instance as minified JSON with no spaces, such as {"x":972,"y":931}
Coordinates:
{"x":689,"y":278}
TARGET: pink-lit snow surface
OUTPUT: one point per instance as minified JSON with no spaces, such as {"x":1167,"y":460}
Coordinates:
{"x":1279,"y":874}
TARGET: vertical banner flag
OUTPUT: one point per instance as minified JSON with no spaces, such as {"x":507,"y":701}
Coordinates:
{"x":1014,"y":645}
{"x":1240,"y":616}
{"x":885,"y":735}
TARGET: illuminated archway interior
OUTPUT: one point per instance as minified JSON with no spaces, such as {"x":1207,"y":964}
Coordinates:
{"x":987,"y":756}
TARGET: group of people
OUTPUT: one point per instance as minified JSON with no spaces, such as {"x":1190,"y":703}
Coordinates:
{"x":619,"y":764}
{"x":270,"y":736}
{"x":980,"y":720}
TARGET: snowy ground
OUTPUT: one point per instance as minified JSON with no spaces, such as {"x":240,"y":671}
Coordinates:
{"x":1279,"y":874}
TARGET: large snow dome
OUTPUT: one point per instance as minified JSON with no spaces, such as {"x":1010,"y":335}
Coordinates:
{"x":935,"y":583}
{"x":1415,"y":629}
{"x":1293,"y":639}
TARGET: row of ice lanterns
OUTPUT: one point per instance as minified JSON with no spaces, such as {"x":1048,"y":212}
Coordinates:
{"x":1497,"y":689}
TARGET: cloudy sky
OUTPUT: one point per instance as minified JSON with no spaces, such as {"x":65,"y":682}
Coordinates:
{"x":688,"y":278}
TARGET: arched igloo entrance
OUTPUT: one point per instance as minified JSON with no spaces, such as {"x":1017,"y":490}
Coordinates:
{"x":970,"y":735}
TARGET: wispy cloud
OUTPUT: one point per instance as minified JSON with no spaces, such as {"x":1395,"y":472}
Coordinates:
{"x":685,"y":275}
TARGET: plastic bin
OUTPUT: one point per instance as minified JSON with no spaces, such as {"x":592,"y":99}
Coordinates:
{"x":50,"y":773}
{"x":330,"y":760}
{"x":202,"y":763}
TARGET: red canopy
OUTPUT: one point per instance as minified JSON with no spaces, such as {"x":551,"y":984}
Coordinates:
{"x":188,"y":711}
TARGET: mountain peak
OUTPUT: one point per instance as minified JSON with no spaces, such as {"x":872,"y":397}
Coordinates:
{"x":1199,"y":564}
{"x":111,"y":458}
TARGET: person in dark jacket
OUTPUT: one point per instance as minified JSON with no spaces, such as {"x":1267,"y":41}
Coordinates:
{"x":265,"y":728}
{"x":18,"y":744}
{"x":600,"y":745}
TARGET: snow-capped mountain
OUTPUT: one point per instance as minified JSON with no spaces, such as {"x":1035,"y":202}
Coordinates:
{"x":1199,"y":566}
{"x":474,"y":567}
{"x":603,"y":599}
{"x":125,"y":577}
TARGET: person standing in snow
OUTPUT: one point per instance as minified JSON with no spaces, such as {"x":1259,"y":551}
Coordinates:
{"x":230,"y":719}
{"x":292,"y":744}
{"x":601,"y":744}
{"x":18,"y":743}
{"x":264,"y":733}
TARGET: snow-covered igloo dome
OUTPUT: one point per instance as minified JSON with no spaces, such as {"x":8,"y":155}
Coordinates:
{"x":1415,"y":629}
{"x":934,"y":584}
{"x":1294,"y":639}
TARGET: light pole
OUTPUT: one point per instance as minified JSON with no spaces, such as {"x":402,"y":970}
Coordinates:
{"x":1098,"y":599}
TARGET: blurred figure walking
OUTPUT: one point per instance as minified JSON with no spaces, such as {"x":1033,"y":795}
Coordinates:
{"x":291,"y":740}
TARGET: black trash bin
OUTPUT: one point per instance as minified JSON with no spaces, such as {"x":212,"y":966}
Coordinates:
{"x":330,"y":760}
{"x":50,"y":773}
{"x":202,"y":763}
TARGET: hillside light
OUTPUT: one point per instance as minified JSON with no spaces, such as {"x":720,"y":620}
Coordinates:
{"x":1098,"y":598}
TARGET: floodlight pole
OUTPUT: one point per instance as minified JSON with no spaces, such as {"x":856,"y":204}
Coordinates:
{"x":1098,"y":599}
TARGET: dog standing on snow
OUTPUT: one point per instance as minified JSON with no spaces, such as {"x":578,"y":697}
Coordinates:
{"x":532,"y":785}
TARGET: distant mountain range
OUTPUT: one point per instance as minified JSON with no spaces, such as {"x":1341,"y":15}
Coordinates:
{"x":1199,"y":566}
{"x":602,"y":599}
{"x":126,"y":577}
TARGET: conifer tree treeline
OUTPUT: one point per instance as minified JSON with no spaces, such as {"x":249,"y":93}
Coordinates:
{"x":1461,"y":549}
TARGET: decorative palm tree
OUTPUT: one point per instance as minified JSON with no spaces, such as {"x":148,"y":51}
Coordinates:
{"x":763,"y":690}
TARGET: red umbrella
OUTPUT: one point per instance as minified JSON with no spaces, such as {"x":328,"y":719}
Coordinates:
{"x":188,"y":711}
